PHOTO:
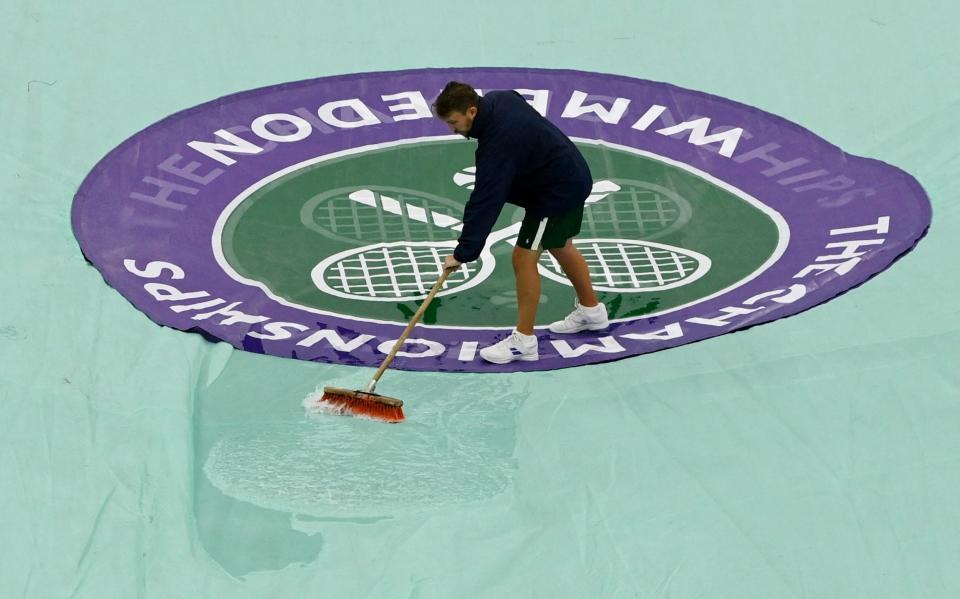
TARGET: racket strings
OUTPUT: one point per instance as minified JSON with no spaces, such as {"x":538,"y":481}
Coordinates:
{"x":629,"y":266}
{"x":631,"y":212}
{"x":398,"y":272}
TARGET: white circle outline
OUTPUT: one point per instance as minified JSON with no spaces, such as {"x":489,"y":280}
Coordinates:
{"x":783,"y":228}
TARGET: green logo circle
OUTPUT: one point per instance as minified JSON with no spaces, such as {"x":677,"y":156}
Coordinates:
{"x":362,"y":235}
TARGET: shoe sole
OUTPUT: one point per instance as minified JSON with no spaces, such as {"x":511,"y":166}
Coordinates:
{"x":591,"y":327}
{"x":511,"y":359}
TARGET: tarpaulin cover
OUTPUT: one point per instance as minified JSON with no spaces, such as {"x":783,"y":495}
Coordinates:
{"x":815,"y":455}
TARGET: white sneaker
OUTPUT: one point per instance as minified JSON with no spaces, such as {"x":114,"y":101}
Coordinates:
{"x":515,"y":347}
{"x":582,"y":319}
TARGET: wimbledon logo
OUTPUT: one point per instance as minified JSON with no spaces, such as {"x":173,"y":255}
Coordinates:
{"x":309,"y":220}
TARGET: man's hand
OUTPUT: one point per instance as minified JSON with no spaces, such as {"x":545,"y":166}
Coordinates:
{"x":450,"y":262}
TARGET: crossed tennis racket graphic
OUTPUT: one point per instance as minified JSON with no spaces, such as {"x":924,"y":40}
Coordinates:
{"x":405,"y":270}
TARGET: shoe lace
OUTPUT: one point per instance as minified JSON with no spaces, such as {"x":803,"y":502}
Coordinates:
{"x":517,"y":340}
{"x":578,"y":315}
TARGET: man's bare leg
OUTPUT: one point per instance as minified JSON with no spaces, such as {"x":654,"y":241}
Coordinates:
{"x":576,"y":269}
{"x":528,"y":287}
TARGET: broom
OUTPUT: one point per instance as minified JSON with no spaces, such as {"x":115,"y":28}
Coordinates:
{"x":366,"y":402}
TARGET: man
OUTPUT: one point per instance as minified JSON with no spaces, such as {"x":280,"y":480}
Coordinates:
{"x":523,"y":159}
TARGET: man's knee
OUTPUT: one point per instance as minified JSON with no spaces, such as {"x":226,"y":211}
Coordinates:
{"x":523,"y":257}
{"x":559,"y":253}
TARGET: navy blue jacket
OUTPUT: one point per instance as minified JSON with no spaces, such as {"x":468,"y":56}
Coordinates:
{"x":524,"y":159}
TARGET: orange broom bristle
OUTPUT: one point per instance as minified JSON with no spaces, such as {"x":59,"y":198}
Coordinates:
{"x":359,"y":403}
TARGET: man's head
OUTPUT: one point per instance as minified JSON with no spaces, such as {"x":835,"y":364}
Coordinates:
{"x":457,"y":106}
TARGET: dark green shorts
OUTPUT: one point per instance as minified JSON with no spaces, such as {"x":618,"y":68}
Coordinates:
{"x":548,"y":233}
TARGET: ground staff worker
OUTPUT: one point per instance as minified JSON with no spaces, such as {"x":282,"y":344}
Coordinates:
{"x":523,"y":159}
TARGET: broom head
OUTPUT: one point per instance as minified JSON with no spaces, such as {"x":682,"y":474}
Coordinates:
{"x":361,"y":403}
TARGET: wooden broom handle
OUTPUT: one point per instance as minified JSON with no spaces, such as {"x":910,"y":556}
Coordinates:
{"x":413,"y":322}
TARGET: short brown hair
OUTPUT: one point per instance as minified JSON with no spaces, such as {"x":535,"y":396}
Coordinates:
{"x":455,"y":97}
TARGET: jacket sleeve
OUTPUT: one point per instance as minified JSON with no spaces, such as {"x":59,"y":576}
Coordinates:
{"x":496,"y":166}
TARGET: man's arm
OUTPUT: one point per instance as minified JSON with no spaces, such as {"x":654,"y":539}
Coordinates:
{"x":496,"y":167}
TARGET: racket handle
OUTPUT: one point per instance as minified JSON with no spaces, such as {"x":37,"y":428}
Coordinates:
{"x":406,"y":332}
